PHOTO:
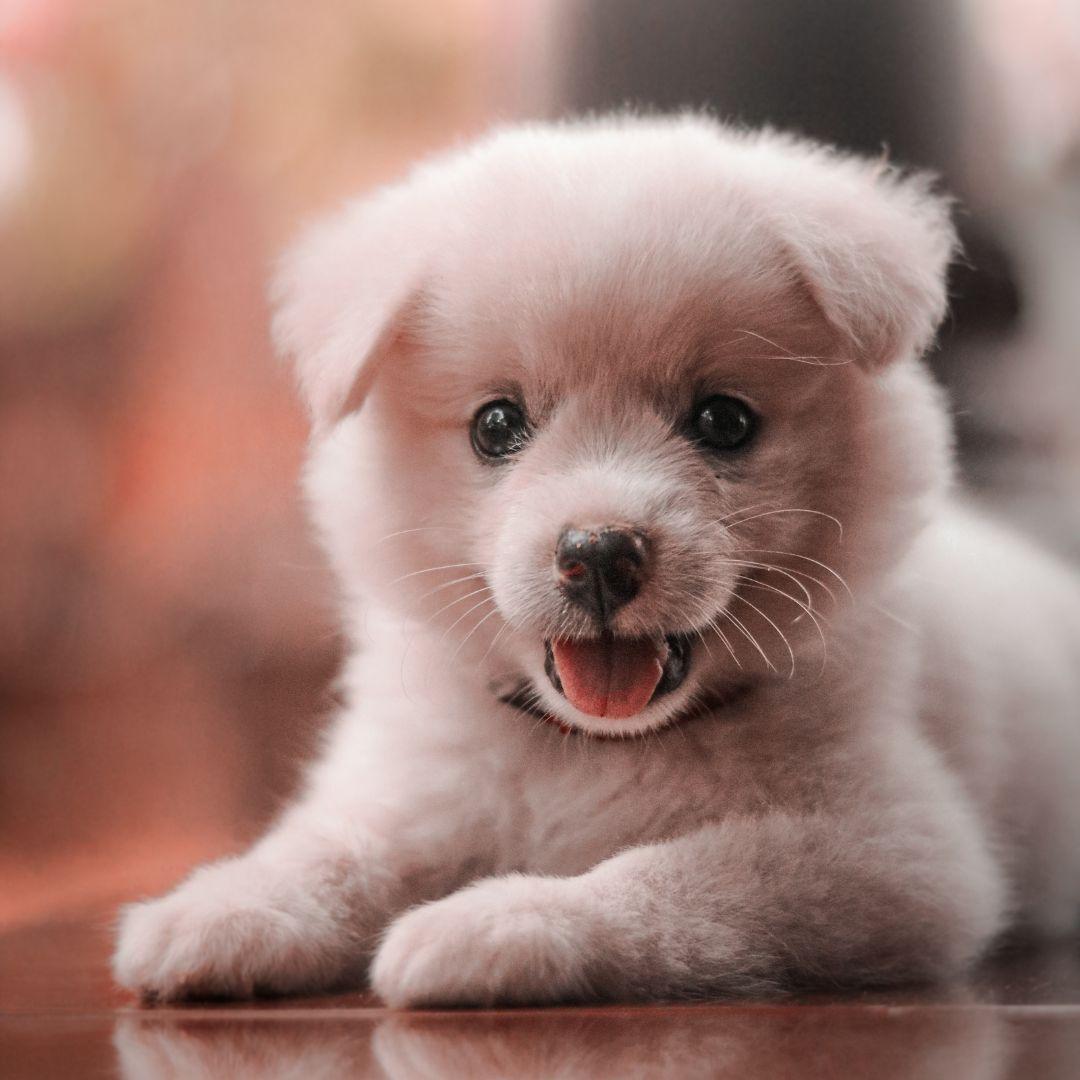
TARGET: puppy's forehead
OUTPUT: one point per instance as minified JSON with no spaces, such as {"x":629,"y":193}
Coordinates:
{"x":646,"y":323}
{"x":635,"y":253}
{"x":576,"y":270}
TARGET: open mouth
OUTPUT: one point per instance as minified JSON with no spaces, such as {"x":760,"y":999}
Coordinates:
{"x":616,"y":678}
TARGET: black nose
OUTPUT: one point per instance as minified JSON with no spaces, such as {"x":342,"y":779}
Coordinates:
{"x":601,"y":569}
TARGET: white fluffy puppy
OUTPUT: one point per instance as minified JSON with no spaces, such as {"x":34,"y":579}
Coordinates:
{"x":679,"y":670}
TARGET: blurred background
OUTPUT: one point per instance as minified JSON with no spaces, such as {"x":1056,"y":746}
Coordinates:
{"x":167,"y":631}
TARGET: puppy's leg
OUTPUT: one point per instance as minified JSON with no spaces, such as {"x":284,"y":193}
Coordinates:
{"x":301,"y":911}
{"x":746,"y":905}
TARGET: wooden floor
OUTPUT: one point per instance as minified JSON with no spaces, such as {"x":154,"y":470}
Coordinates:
{"x":1018,"y":1017}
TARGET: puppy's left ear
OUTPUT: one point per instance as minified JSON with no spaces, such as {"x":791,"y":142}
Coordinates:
{"x":872,"y":246}
{"x":344,"y":297}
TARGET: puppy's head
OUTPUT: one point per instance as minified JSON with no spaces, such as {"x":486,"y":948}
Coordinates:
{"x":624,"y":410}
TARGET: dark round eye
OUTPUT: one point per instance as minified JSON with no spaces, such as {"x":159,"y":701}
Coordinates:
{"x":723,"y":423}
{"x":499,"y":428}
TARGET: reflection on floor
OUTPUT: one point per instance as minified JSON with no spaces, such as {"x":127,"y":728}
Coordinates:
{"x":1017,"y":1018}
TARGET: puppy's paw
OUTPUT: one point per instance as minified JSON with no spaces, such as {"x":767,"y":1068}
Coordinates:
{"x":509,"y":940}
{"x":227,"y":932}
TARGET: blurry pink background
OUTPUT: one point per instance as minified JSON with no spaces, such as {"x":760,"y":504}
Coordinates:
{"x":167,"y":631}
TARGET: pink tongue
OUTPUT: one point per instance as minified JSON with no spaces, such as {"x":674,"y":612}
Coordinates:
{"x":608,"y":678}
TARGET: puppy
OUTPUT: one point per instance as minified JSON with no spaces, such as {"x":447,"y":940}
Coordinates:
{"x":679,"y":668}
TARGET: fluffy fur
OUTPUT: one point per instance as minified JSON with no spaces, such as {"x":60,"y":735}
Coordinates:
{"x":872,"y":766}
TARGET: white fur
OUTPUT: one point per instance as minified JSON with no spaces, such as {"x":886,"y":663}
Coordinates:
{"x":900,"y":783}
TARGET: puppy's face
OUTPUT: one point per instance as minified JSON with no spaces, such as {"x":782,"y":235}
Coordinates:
{"x":626,"y":442}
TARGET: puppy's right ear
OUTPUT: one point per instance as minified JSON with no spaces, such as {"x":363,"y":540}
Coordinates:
{"x":343,"y":297}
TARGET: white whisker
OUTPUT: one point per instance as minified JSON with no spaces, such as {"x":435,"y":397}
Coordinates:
{"x":741,"y":510}
{"x":464,"y":640}
{"x":456,"y":601}
{"x":788,"y":510}
{"x":896,"y":618}
{"x":805,"y":558}
{"x":494,"y":641}
{"x":787,"y":354}
{"x":431,"y":570}
{"x":728,"y":614}
{"x":792,"y":575}
{"x":450,"y":584}
{"x":465,"y":615}
{"x":417,"y":529}
{"x":782,"y":635}
{"x":713,"y":624}
{"x":813,"y":618}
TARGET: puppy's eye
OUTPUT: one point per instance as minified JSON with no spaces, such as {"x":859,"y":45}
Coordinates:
{"x":499,"y":429}
{"x":723,"y":423}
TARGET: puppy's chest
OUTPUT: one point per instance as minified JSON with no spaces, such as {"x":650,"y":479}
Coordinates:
{"x":586,"y":800}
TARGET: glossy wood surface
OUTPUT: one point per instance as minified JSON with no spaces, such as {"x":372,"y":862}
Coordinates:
{"x":1017,"y":1018}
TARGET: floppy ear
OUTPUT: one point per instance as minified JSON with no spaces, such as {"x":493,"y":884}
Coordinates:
{"x":872,"y":246}
{"x":343,"y":296}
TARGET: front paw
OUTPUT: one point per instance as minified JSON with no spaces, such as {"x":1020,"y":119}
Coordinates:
{"x":512,"y":940}
{"x":228,"y":931}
